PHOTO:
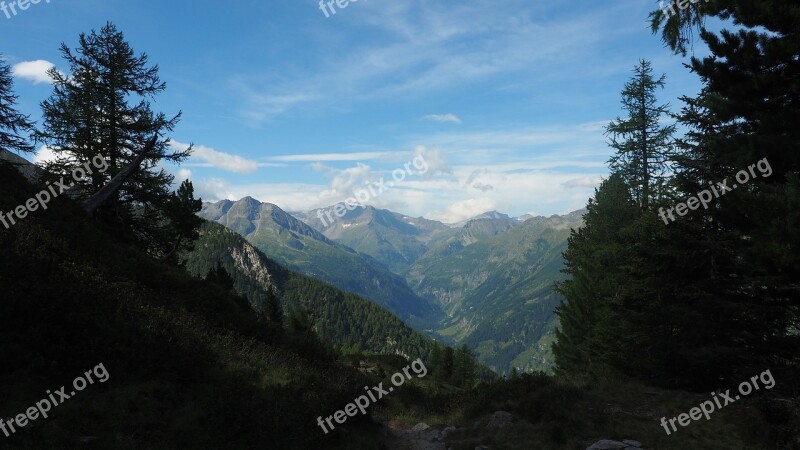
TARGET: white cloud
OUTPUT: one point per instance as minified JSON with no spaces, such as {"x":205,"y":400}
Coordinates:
{"x":35,"y":71}
{"x":464,"y":209}
{"x":213,"y":190}
{"x":437,"y":163}
{"x":549,"y":169}
{"x":452,"y":118}
{"x":344,"y":181}
{"x":266,"y":106}
{"x":583,"y":182}
{"x":44,"y":155}
{"x":441,"y":198}
{"x":182,"y":175}
{"x":219,"y":160}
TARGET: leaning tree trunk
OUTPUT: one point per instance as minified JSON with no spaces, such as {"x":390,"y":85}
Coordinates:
{"x":113,"y":186}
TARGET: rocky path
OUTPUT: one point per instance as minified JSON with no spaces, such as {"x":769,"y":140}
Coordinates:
{"x":420,"y":437}
{"x":423,"y":437}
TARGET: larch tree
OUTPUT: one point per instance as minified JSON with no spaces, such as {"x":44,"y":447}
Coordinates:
{"x":643,"y":145}
{"x":12,"y":122}
{"x":101,"y":108}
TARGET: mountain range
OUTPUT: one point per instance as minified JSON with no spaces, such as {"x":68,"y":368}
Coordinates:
{"x":487,"y":282}
{"x":300,"y":247}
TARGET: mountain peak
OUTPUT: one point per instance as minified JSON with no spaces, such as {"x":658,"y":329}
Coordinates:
{"x":248,"y":200}
{"x":492,"y":215}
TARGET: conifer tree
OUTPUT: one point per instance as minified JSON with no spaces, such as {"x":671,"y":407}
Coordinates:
{"x":464,"y":367}
{"x":448,"y":361}
{"x":590,"y":321}
{"x":436,"y":363}
{"x":747,"y":113}
{"x":272,"y":307}
{"x":12,"y":122}
{"x":713,"y":296}
{"x":102,"y":107}
{"x":181,"y":222}
{"x":643,"y":146}
{"x":221,"y":277}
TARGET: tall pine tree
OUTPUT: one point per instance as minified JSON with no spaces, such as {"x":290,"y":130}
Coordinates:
{"x":748,"y":112}
{"x":12,"y":122}
{"x":643,"y":145}
{"x":464,"y":367}
{"x":102,"y":107}
{"x":590,"y":320}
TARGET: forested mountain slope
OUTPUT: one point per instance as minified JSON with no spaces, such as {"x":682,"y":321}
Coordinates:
{"x":498,"y":291}
{"x":342,"y":318}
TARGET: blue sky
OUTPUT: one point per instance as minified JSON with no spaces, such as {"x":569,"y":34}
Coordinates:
{"x":505,"y":101}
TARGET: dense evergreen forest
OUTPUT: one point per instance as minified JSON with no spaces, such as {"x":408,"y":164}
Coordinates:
{"x":686,"y":272}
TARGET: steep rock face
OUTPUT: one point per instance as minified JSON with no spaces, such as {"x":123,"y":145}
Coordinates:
{"x":300,"y":247}
{"x":250,"y":263}
{"x":28,"y":170}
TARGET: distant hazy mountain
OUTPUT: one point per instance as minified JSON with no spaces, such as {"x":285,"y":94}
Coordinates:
{"x":493,"y":215}
{"x":395,"y":240}
{"x":473,"y":231}
{"x":300,"y":247}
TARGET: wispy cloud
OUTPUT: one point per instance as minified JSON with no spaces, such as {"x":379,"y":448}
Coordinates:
{"x":464,"y":210}
{"x":219,"y":160}
{"x":314,"y":157}
{"x":469,"y":173}
{"x":449,"y":117}
{"x":422,"y":47}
